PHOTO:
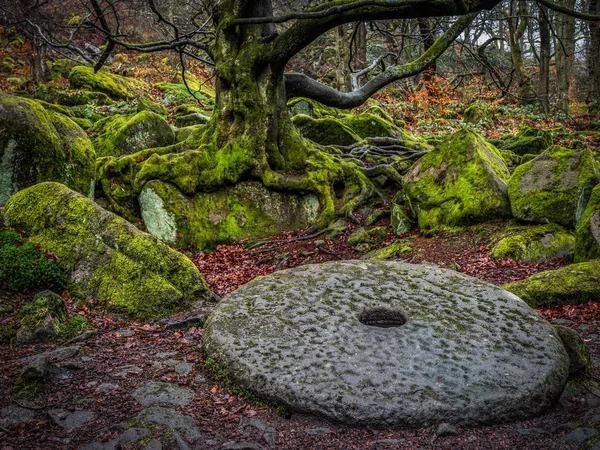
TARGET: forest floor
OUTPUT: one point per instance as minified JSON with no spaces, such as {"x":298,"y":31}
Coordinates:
{"x":123,"y":355}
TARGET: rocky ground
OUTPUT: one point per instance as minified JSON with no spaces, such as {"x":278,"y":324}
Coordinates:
{"x":146,"y":386}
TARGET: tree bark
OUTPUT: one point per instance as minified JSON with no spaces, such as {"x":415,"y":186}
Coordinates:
{"x":544,"y":86}
{"x":360,"y":56}
{"x":342,"y":58}
{"x":565,"y":48}
{"x":593,"y":96}
{"x":517,"y":25}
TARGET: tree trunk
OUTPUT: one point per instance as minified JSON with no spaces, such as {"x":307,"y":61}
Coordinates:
{"x":428,"y":38}
{"x":593,"y":97}
{"x":39,"y":68}
{"x":565,"y":47}
{"x":360,"y":56}
{"x":544,"y":86}
{"x":342,"y":57}
{"x":517,"y":24}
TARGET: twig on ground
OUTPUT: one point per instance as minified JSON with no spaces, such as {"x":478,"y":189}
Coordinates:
{"x":329,"y":252}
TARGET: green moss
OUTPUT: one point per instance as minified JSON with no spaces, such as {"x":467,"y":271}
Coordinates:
{"x":23,"y":267}
{"x":587,"y":243}
{"x":478,"y":112}
{"x":369,"y":125}
{"x":462,"y":182}
{"x":126,"y":134}
{"x":326,"y":131}
{"x":396,"y":249}
{"x":38,"y":145}
{"x":316,"y":109}
{"x":246,"y":210}
{"x":115,"y":86}
{"x":548,"y":188}
{"x":365,"y":240}
{"x":570,"y":285}
{"x":534,"y":244}
{"x":105,"y":256}
{"x":148,"y":105}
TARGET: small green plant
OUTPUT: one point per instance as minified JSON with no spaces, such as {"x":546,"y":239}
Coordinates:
{"x":24,"y":267}
{"x":220,"y":373}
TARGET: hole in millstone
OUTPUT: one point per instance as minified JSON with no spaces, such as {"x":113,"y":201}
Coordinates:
{"x":382,"y":317}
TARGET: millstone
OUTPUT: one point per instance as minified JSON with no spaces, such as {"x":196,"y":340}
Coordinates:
{"x":388,"y":344}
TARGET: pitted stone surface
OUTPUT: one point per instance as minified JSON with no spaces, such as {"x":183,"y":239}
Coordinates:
{"x":159,"y":392}
{"x":468,"y":352}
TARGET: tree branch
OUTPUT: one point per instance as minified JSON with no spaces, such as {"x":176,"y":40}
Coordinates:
{"x":569,"y":12}
{"x":303,"y":32}
{"x":299,"y":85}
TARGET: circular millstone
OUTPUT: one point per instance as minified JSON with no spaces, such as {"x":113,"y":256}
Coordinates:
{"x":387,"y":343}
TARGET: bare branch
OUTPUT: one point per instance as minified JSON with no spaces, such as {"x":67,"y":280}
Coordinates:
{"x":299,"y":85}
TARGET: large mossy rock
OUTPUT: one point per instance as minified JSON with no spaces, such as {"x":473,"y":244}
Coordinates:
{"x":387,"y":344}
{"x":115,"y":86}
{"x":105,"y":256}
{"x":41,"y":145}
{"x":327,"y":131}
{"x":534,"y":244}
{"x":587,"y":240}
{"x":570,"y":285}
{"x":245,"y":210}
{"x":529,"y":141}
{"x":460,"y":183}
{"x":553,"y":186}
{"x":126,"y":134}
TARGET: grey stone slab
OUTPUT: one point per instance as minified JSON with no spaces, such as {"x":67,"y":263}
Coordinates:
{"x":57,"y":354}
{"x":388,"y":344}
{"x":70,"y":420}
{"x":159,"y":392}
{"x":184,"y":368}
{"x":171,"y":419}
{"x":14,"y":415}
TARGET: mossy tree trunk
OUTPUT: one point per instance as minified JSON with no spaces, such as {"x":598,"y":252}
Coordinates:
{"x":250,"y":134}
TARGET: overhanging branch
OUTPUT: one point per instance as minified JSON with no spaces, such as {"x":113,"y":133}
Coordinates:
{"x":299,"y":85}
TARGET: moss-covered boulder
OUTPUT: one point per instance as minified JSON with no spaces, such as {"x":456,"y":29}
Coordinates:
{"x":529,"y":141}
{"x":327,"y":131}
{"x":105,"y":256}
{"x":400,"y":221}
{"x":192,"y":119}
{"x":549,"y":188}
{"x":38,"y":145}
{"x":580,"y":359}
{"x":477,"y":113}
{"x":115,"y":86}
{"x":42,"y":319}
{"x":245,"y":210}
{"x":148,"y":105}
{"x":126,"y":134}
{"x":534,"y":244}
{"x":570,"y":285}
{"x":370,"y":125}
{"x":364,"y":240}
{"x":460,"y":183}
{"x":62,"y":68}
{"x":587,"y":241}
{"x":396,"y":249}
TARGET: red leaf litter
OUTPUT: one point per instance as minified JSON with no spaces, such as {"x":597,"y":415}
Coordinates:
{"x":115,"y":355}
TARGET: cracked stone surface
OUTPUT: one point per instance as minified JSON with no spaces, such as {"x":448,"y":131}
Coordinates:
{"x":311,"y":338}
{"x":159,"y":392}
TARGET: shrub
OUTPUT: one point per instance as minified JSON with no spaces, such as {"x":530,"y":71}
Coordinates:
{"x":24,"y":267}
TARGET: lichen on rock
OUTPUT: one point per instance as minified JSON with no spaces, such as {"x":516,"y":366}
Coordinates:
{"x":38,"y":145}
{"x":462,"y":182}
{"x":105,"y":256}
{"x":570,"y":285}
{"x":204,"y":220}
{"x":587,"y":240}
{"x":126,"y":134}
{"x":534,"y":244}
{"x":549,"y":188}
{"x":115,"y":86}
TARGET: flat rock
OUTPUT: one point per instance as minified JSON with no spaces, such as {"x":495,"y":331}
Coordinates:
{"x":386,"y":344}
{"x":69,"y":420}
{"x":159,"y":392}
{"x":171,"y":419}
{"x":57,"y":354}
{"x":129,"y":436}
{"x":14,"y":415}
{"x":184,"y":368}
